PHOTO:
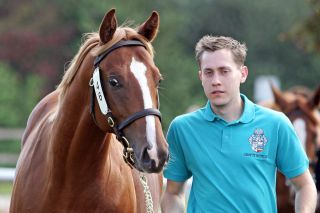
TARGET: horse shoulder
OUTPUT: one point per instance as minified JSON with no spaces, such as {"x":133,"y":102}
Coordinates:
{"x":39,"y":112}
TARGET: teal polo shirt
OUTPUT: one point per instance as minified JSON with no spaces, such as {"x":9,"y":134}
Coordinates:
{"x":234,"y":164}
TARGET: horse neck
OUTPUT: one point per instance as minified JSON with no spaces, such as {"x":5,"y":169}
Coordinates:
{"x":79,"y":146}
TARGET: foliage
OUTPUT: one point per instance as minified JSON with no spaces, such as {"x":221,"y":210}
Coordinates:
{"x":43,"y":45}
{"x":35,"y":39}
{"x":306,"y":33}
{"x":260,"y":24}
{"x":17,"y":96}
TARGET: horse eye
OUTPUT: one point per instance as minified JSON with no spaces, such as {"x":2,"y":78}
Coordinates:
{"x":113,"y":82}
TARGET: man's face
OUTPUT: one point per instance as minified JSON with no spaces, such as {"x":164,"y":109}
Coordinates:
{"x":221,"y":77}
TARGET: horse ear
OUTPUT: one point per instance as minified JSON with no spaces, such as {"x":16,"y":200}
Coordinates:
{"x":149,"y":29}
{"x":278,"y":98}
{"x":315,"y":99}
{"x":108,"y":26}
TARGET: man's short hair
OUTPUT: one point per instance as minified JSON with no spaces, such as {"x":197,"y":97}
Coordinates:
{"x":212,"y":43}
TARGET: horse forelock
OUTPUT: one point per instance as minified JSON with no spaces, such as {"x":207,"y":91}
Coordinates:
{"x":301,"y":91}
{"x":125,"y":33}
{"x":92,"y":42}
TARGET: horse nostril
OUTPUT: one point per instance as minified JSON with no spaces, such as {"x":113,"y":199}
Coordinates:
{"x":145,"y":156}
{"x":148,"y":163}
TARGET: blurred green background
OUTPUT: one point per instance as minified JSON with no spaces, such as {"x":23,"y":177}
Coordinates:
{"x":38,"y":37}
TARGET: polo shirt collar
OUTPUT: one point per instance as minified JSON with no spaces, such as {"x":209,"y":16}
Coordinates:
{"x":208,"y":114}
{"x":247,"y":114}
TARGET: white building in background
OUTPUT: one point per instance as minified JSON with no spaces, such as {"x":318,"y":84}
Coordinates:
{"x":262,"y":87}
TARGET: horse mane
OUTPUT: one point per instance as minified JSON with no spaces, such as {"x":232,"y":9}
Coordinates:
{"x":92,"y":42}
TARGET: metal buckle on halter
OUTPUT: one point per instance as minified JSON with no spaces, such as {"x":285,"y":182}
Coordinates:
{"x":110,"y":122}
{"x":128,"y":154}
{"x":128,"y":158}
{"x":125,"y":142}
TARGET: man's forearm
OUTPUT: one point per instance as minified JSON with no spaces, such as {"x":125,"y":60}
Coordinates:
{"x":172,"y":203}
{"x":306,"y":199}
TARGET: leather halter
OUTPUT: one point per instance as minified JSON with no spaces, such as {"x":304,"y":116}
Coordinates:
{"x":117,"y":129}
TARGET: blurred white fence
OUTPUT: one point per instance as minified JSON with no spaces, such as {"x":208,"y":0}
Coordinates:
{"x":7,"y":174}
{"x":6,"y":133}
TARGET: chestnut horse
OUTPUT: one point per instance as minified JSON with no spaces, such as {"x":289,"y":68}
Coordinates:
{"x":71,"y":159}
{"x":301,"y":106}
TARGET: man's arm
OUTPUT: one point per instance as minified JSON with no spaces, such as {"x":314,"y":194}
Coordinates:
{"x":173,"y":199}
{"x":306,"y":193}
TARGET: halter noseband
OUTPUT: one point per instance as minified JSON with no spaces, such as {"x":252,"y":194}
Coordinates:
{"x":98,"y":91}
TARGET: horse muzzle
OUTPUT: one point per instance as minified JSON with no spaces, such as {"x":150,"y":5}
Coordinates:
{"x":150,"y":160}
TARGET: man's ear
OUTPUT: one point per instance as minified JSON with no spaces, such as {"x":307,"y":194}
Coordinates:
{"x":244,"y":73}
{"x":199,"y":74}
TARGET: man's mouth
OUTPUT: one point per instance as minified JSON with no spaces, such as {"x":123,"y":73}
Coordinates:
{"x":218,"y":92}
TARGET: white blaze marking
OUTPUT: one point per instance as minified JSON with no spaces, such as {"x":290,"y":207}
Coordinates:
{"x":300,"y":127}
{"x":139,"y":71}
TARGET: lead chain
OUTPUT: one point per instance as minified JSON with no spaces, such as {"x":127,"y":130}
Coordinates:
{"x":147,"y":193}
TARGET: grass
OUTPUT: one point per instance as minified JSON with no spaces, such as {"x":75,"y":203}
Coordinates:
{"x":6,"y":188}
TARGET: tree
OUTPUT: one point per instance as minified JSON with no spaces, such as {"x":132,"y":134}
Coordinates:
{"x":43,"y":45}
{"x":306,"y":33}
{"x":17,"y":96}
{"x":35,"y":39}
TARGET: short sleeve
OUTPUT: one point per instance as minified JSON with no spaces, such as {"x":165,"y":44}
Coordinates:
{"x":176,"y":169}
{"x":291,"y":157}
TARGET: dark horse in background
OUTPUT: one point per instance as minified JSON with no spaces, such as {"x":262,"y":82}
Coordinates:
{"x":301,"y":106}
{"x":71,"y":159}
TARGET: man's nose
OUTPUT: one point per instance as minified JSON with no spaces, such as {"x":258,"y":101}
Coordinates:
{"x":215,"y":79}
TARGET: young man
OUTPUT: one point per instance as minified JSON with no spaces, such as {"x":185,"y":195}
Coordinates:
{"x":232,"y":148}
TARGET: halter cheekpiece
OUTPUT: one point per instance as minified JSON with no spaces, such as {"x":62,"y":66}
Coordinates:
{"x":98,"y":92}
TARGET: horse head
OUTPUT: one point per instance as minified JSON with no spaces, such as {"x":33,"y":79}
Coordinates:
{"x":125,"y":83}
{"x":301,"y":107}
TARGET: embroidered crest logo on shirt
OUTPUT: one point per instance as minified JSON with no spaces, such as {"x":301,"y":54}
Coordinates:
{"x":258,"y":140}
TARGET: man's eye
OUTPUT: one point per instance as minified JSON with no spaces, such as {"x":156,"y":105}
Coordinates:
{"x":225,"y":71}
{"x":113,"y":82}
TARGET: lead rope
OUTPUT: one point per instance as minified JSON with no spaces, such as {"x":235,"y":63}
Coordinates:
{"x":147,"y":193}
